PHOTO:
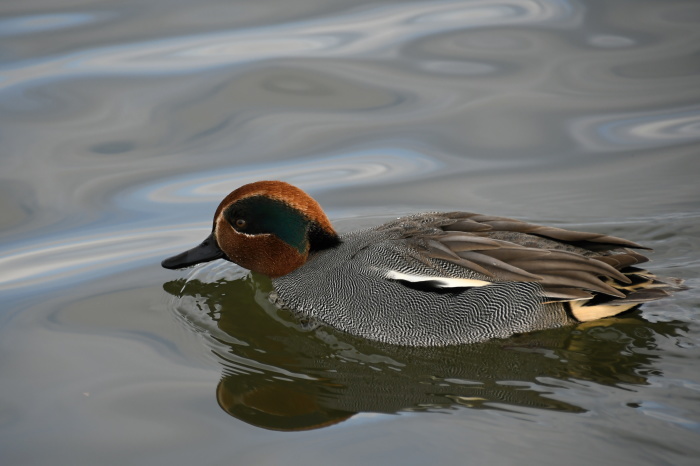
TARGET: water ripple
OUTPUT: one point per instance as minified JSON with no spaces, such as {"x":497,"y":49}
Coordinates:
{"x":33,"y":24}
{"x":88,"y":256}
{"x":373,"y":167}
{"x":372,"y":32}
{"x":638,"y":131}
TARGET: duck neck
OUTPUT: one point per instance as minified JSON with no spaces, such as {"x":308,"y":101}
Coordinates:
{"x":321,"y":238}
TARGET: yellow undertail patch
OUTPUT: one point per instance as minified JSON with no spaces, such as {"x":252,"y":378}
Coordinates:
{"x":584,"y":313}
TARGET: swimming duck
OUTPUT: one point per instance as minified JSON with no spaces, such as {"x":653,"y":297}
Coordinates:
{"x":429,"y":279}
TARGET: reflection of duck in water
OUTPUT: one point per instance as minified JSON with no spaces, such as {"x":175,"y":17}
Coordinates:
{"x":280,"y":375}
{"x":430,"y":279}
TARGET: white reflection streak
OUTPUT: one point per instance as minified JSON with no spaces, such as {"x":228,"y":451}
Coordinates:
{"x":369,"y":33}
{"x":343,"y":170}
{"x":673,"y":128}
{"x":622,"y":132}
{"x":37,"y":264}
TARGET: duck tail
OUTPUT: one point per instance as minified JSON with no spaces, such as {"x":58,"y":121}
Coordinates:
{"x":643,"y":287}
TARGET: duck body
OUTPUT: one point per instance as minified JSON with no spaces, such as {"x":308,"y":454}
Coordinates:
{"x":362,"y":287}
{"x":429,"y":279}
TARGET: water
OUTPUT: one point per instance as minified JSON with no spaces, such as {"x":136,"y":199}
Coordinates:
{"x":124,"y":123}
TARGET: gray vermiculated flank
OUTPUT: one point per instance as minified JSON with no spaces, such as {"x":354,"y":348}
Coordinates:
{"x":345,"y":288}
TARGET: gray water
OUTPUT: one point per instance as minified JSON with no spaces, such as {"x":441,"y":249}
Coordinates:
{"x":123,"y":123}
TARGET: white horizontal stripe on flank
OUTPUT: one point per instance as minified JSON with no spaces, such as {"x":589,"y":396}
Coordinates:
{"x":443,"y":282}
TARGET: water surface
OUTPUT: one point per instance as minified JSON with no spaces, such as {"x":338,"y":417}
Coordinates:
{"x":124,"y":123}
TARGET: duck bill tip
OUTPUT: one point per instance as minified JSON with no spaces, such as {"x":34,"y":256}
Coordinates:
{"x":207,"y":251}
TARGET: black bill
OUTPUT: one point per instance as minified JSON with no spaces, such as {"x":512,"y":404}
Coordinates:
{"x":205,"y":252}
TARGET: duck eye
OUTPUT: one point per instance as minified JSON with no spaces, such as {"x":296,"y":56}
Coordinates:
{"x":240,"y":223}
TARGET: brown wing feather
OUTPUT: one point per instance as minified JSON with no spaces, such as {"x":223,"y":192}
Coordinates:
{"x":594,"y":275}
{"x":567,"y":264}
{"x":518,"y":226}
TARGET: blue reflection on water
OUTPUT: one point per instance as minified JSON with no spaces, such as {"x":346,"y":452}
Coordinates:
{"x":84,"y":256}
{"x":48,"y":22}
{"x":372,"y":32}
{"x":374,"y":166}
{"x":622,"y":132}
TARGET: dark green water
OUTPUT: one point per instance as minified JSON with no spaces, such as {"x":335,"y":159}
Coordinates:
{"x":122,"y":125}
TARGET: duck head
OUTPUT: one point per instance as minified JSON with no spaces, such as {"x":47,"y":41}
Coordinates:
{"x":268,"y":227}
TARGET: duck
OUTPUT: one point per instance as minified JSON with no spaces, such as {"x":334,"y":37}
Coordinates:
{"x":427,"y":279}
